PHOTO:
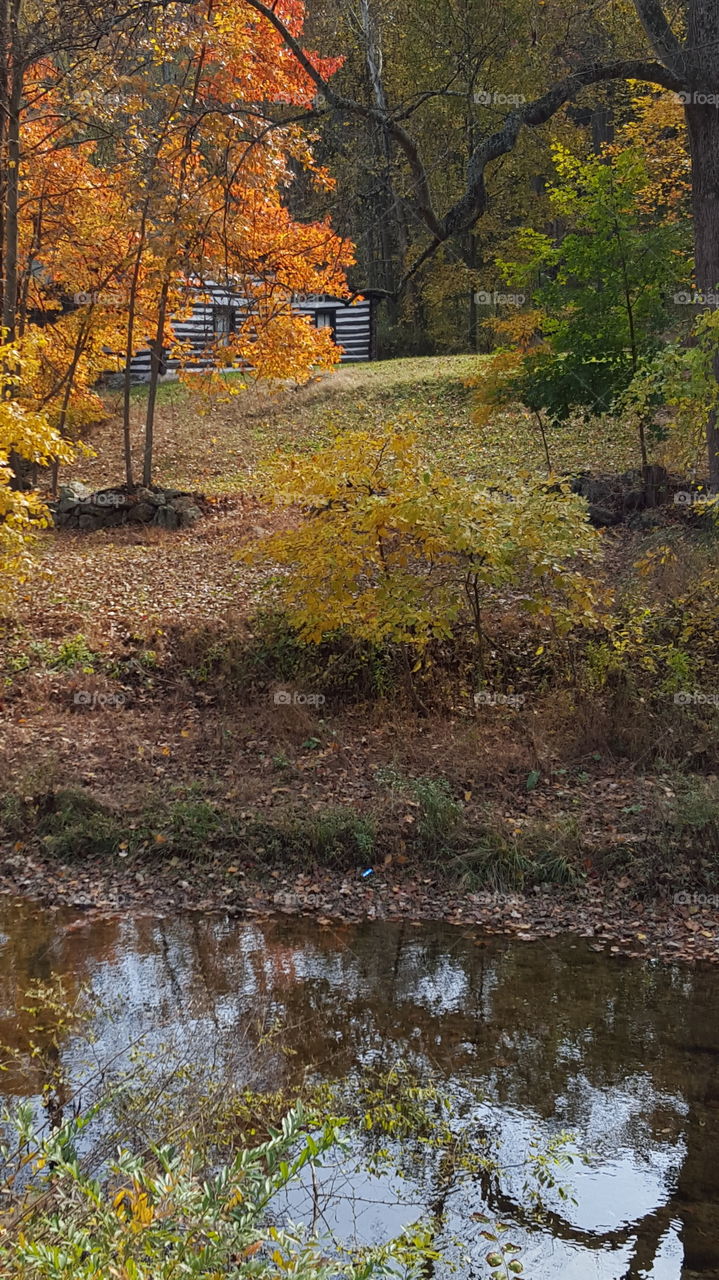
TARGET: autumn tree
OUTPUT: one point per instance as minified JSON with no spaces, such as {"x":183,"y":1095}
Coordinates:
{"x":41,"y":43}
{"x":204,"y":135}
{"x":633,"y":41}
{"x":147,"y":152}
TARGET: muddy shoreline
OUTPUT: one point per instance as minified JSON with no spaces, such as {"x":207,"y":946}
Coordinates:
{"x":683,"y":928}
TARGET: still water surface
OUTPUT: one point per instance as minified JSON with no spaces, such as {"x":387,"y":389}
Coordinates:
{"x":624,"y":1053}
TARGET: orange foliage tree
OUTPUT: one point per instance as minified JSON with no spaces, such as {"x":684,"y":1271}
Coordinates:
{"x":156,"y":161}
{"x":208,"y":144}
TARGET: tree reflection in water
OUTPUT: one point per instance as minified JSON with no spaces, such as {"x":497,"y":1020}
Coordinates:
{"x":557,"y":1036}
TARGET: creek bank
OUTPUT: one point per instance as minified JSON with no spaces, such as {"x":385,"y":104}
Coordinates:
{"x":685,"y":929}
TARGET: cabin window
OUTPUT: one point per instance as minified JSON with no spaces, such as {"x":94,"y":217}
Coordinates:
{"x":326,"y":320}
{"x":224,"y":321}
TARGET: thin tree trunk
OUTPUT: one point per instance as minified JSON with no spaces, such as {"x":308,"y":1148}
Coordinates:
{"x":387,"y":204}
{"x":127,"y":391}
{"x":634,"y":350}
{"x":157,"y":348}
{"x":80,"y":341}
{"x":470,"y":258}
{"x":156,"y":354}
{"x":703,"y":126}
{"x":10,"y":256}
{"x":547,"y":458}
{"x":130,"y":347}
{"x":4,"y":112}
{"x":33,"y":255}
{"x":13,"y":102}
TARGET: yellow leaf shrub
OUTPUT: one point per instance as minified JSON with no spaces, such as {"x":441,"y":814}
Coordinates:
{"x":26,"y":431}
{"x":394,"y":550}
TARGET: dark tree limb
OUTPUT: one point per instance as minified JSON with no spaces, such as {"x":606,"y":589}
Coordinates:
{"x":665,"y":43}
{"x":464,"y":213}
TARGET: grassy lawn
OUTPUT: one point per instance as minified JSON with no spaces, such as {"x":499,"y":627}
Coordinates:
{"x":214,"y":441}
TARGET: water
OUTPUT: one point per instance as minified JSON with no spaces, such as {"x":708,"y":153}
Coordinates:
{"x":623,"y":1052}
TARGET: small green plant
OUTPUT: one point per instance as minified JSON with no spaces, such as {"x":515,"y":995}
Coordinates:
{"x":339,"y":834}
{"x":193,"y":823}
{"x":75,"y":652}
{"x":502,"y":1256}
{"x":694,"y":821}
{"x":439,"y":815}
{"x":506,"y":857}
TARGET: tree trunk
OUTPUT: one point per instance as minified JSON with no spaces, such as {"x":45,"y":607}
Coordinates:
{"x":12,"y":190}
{"x":25,"y":278}
{"x":388,"y":221}
{"x":471,"y":260}
{"x":80,"y":342}
{"x":4,"y":111}
{"x":13,"y":102}
{"x":703,"y":126}
{"x":156,"y":354}
{"x":127,"y":393}
{"x":130,"y":345}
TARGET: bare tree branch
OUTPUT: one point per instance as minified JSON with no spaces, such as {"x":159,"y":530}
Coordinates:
{"x":665,"y":43}
{"x":465,"y":212}
{"x":348,"y":106}
{"x":472,"y":204}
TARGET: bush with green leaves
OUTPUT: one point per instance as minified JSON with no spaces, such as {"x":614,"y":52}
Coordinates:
{"x":674,"y":389}
{"x":165,"y":1216}
{"x":602,"y":292}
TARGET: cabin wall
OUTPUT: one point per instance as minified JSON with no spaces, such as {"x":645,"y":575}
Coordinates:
{"x":352,"y":328}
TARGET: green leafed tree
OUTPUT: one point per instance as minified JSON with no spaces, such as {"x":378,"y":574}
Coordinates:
{"x":602,"y":291}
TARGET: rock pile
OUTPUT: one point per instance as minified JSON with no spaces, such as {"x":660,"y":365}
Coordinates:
{"x":78,"y":507}
{"x":615,"y":498}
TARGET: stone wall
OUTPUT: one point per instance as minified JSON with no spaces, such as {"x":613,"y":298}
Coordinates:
{"x":78,"y":507}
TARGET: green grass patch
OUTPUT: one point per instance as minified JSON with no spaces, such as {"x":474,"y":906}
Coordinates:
{"x":500,"y":857}
{"x":72,"y":826}
{"x":214,"y":442}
